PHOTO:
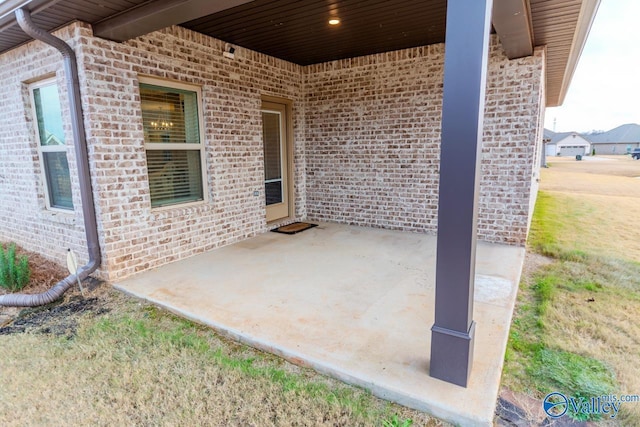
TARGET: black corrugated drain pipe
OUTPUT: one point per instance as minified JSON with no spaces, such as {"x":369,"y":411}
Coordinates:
{"x":82,"y":160}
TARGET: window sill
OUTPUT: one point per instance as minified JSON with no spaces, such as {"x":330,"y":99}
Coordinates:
{"x":58,"y":216}
{"x":178,"y":206}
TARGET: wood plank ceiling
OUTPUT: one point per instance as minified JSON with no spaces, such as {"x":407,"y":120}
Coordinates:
{"x":299,"y":30}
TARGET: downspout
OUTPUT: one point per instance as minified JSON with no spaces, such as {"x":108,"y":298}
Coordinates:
{"x":82,"y":160}
{"x":543,"y":162}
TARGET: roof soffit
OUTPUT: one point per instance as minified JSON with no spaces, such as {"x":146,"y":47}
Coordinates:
{"x":298,"y":30}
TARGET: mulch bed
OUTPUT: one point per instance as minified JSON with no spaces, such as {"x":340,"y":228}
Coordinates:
{"x":58,"y":318}
{"x":44,"y":272}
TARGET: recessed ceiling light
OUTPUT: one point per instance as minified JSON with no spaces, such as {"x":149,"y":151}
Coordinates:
{"x":334,"y":21}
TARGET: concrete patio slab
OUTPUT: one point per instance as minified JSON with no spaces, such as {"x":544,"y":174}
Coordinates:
{"x":354,"y":303}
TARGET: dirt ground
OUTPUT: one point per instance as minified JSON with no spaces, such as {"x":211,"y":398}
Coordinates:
{"x":61,"y":319}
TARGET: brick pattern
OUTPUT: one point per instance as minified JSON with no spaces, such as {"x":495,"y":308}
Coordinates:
{"x":23,"y":217}
{"x":366,"y":149}
{"x":137,"y":237}
{"x":539,"y":145}
{"x":133,"y":236}
{"x":514,"y":120}
{"x":373,"y":141}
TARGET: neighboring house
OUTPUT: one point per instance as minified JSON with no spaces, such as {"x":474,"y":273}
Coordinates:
{"x":566,"y":144}
{"x":620,"y":140}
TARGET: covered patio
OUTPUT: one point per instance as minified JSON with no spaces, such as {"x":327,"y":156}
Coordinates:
{"x":352,"y":302}
{"x":379,"y":126}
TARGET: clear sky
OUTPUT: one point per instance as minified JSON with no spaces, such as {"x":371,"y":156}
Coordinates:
{"x":605,"y":90}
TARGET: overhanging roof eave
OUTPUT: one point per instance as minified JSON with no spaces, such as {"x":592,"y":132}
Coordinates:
{"x":585,"y":21}
{"x":156,"y":15}
{"x":560,"y":25}
{"x":8,"y":7}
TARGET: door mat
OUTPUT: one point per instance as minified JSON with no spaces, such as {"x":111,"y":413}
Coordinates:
{"x":294,"y":228}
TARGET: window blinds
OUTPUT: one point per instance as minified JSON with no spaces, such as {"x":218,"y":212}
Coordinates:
{"x":170,"y":122}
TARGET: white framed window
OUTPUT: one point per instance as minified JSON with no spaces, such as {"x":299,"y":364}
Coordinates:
{"x":52,"y":150}
{"x":172,"y":124}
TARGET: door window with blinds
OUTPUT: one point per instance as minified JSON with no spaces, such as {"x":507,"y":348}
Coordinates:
{"x":52,"y":149}
{"x":173,"y":142}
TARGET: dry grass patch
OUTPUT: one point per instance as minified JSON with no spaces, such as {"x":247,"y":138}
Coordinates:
{"x":609,"y":166}
{"x":591,"y":327}
{"x":597,"y":224}
{"x":592,"y":206}
{"x":576,"y":330}
{"x":576,"y":326}
{"x":129,"y":363}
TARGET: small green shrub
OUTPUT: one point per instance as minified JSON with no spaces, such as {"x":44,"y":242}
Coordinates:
{"x":14,"y":271}
{"x":396,"y":421}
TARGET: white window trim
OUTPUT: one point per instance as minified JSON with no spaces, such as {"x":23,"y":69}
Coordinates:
{"x":47,"y":148}
{"x":178,"y":146}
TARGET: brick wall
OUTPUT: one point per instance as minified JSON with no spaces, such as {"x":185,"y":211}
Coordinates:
{"x":373,"y":141}
{"x":137,"y":237}
{"x":539,"y":145}
{"x":366,"y":149}
{"x":23,"y":217}
{"x":133,"y":236}
{"x":513,"y":127}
